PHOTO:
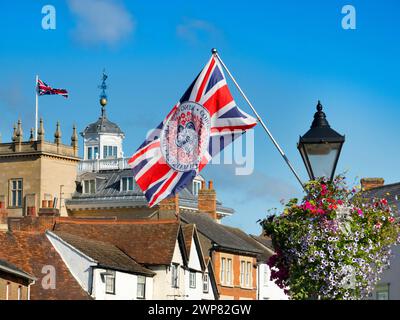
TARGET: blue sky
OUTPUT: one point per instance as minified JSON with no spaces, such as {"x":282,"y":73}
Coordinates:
{"x":286,"y":55}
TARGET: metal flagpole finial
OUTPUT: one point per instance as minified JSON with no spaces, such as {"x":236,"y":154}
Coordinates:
{"x":214,"y":51}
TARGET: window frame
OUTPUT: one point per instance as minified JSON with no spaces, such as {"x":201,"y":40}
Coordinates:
{"x":90,"y":153}
{"x":242,"y":272}
{"x":248,"y":274}
{"x":126,"y":184}
{"x":383,"y":289}
{"x":206,"y":285}
{"x":92,"y":187}
{"x":223,"y":267}
{"x":229,"y":271}
{"x":175,"y":275}
{"x":110,"y":275}
{"x":192,"y":279}
{"x":19,"y":191}
{"x":141,"y":284}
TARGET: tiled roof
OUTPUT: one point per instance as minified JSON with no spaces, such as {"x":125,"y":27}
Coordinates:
{"x":264,"y":240}
{"x":147,"y":242}
{"x":188,"y":230}
{"x":265,"y":252}
{"x":102,"y":125}
{"x":33,"y":252}
{"x":108,"y":191}
{"x":391,"y":192}
{"x":218,"y":234}
{"x":10,"y":268}
{"x":105,"y":254}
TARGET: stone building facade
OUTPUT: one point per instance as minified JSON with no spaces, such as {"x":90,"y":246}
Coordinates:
{"x":37,"y":174}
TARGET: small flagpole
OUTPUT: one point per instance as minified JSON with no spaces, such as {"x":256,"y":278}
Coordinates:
{"x":37,"y":107}
{"x":215,"y":53}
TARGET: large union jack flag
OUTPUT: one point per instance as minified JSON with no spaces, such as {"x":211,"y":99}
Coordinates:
{"x":44,"y":89}
{"x":203,"y":122}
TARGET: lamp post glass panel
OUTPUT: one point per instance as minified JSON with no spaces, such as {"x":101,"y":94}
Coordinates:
{"x":320,"y":147}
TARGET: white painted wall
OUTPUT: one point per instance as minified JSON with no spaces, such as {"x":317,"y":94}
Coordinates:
{"x":100,"y":140}
{"x":125,"y":286}
{"x":194,"y":265}
{"x":267,"y":289}
{"x":163,"y":289}
{"x":111,"y":140}
{"x":85,"y":271}
{"x":79,"y":264}
{"x":210,"y":294}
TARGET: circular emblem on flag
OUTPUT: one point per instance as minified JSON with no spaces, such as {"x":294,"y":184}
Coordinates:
{"x":185,"y":136}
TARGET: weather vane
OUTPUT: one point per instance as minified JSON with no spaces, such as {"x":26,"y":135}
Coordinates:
{"x":103,"y":87}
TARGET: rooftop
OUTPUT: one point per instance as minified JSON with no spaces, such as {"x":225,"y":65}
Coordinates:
{"x":147,"y":242}
{"x":391,"y":192}
{"x":219,"y":235}
{"x":102,"y":125}
{"x":266,"y":252}
{"x":108,"y":191}
{"x":105,"y":254}
{"x":11,"y":268}
{"x":32,"y":252}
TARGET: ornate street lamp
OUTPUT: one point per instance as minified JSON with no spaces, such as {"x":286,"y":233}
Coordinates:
{"x":320,"y":147}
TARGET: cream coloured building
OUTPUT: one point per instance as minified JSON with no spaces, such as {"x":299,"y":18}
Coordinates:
{"x":37,"y":174}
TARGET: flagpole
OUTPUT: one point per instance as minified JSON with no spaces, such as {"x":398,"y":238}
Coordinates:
{"x":215,"y":53}
{"x":37,"y":107}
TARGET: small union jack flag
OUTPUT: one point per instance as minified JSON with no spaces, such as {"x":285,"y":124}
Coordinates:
{"x":203,"y":122}
{"x":44,"y":89}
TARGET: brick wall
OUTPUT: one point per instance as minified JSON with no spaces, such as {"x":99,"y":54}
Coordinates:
{"x":207,"y":200}
{"x":235,"y":291}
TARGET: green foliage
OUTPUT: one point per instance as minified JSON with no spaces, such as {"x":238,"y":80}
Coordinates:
{"x":334,"y":244}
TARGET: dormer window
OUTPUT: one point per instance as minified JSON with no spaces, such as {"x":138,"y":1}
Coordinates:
{"x":89,"y":186}
{"x":127,"y":184}
{"x":110,"y":152}
{"x":196,"y":186}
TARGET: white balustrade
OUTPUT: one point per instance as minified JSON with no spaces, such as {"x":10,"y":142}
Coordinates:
{"x":102,"y":164}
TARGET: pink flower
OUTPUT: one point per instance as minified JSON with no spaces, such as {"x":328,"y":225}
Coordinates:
{"x":378,"y":225}
{"x":308,"y":206}
{"x":340,"y":202}
{"x":359,"y":211}
{"x":391,"y":219}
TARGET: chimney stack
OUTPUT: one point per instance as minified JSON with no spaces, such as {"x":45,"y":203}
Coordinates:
{"x":169,"y":208}
{"x":207,"y":200}
{"x":370,"y":183}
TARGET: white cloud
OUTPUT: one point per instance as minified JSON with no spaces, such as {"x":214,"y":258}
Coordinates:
{"x":195,"y":31}
{"x":101,"y":22}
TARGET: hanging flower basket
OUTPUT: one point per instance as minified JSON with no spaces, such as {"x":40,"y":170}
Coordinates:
{"x":334,"y":244}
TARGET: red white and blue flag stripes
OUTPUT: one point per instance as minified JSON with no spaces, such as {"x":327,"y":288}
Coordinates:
{"x":44,"y":89}
{"x":204,"y":121}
